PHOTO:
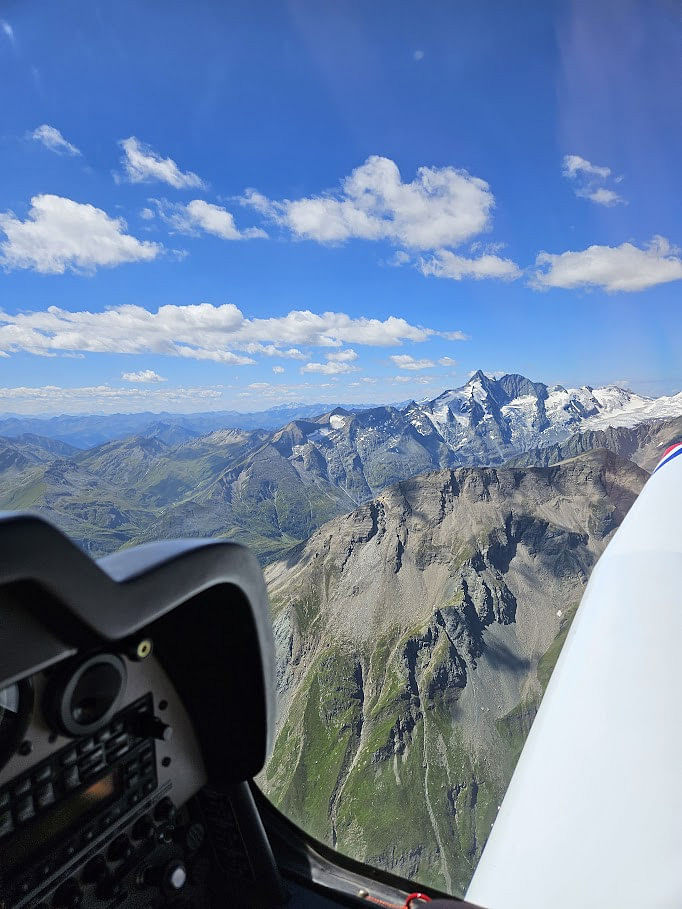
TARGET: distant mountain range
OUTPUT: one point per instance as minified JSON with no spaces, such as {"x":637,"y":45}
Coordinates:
{"x":510,"y":413}
{"x":87,"y":430}
{"x":272,"y":489}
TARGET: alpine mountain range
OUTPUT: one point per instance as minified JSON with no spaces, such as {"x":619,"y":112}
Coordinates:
{"x":176,"y":475}
{"x":424,"y":562}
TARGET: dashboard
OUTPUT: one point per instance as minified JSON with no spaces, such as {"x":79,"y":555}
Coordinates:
{"x":108,"y":814}
{"x":134,"y":706}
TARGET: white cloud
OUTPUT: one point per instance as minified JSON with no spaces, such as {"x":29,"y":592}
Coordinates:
{"x":447,"y":361}
{"x":343,"y":356}
{"x":199,"y":331}
{"x":61,"y":234}
{"x":400,"y":257}
{"x":278,"y":370}
{"x":257,"y":391}
{"x":418,"y":55}
{"x":201,"y":215}
{"x":446,"y":264}
{"x":602,"y":196}
{"x":440,"y":207}
{"x":144,"y":376}
{"x":147,"y":214}
{"x":7,"y":29}
{"x":411,"y":380}
{"x":574,"y":165}
{"x":330,"y":368}
{"x":105,"y":399}
{"x":405,"y":361}
{"x":587,"y":179}
{"x":51,"y":138}
{"x":487,"y":248}
{"x":613,"y":268}
{"x":142,"y":165}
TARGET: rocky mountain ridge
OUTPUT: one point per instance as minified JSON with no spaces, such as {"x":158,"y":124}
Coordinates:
{"x":415,"y":637}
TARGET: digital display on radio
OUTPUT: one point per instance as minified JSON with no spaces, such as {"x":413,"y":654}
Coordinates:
{"x":61,"y":818}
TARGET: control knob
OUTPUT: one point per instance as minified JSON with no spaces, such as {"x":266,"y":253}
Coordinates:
{"x":68,"y":895}
{"x":171,"y":878}
{"x":164,"y":811}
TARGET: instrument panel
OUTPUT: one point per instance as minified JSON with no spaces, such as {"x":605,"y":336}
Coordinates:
{"x":103,"y":817}
{"x":136,"y":702}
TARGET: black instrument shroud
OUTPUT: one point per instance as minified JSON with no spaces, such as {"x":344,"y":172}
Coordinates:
{"x":202,"y":602}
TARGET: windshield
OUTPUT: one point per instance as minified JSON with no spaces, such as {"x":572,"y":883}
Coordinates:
{"x":388,"y":292}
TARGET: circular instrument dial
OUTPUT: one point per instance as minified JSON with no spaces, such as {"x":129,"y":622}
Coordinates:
{"x":16,"y":701}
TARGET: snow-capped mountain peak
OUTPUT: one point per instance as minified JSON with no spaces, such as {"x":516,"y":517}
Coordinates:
{"x":491,"y":418}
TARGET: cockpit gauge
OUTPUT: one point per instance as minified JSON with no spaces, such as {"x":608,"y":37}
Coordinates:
{"x":16,"y":703}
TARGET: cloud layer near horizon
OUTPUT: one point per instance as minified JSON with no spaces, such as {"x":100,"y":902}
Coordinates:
{"x":203,"y":332}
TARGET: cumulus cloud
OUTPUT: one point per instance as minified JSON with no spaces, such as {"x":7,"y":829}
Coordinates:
{"x":51,"y":138}
{"x":199,"y":331}
{"x":200,"y":215}
{"x":143,"y":376}
{"x":447,"y":361}
{"x":440,"y":207}
{"x":278,"y":370}
{"x":7,"y":29}
{"x":141,"y":164}
{"x":602,"y":196}
{"x":61,"y":234}
{"x":330,"y":368}
{"x":626,"y":267}
{"x":105,"y":399}
{"x":588,"y":180}
{"x":405,"y":361}
{"x":343,"y":356}
{"x":575,"y":165}
{"x":446,"y":264}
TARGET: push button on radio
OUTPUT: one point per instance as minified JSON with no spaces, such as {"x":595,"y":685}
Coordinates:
{"x":6,"y":823}
{"x":43,"y":775}
{"x":24,"y":810}
{"x":44,"y":796}
{"x":71,"y":777}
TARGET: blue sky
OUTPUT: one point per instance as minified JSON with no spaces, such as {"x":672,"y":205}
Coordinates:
{"x":208,"y":206}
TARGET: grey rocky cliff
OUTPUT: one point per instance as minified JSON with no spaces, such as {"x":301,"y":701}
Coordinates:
{"x":414,"y":639}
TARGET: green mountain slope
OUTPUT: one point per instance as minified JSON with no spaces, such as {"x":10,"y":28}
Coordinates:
{"x":415,"y":638}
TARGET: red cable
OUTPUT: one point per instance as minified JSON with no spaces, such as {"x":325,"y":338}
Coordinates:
{"x":416,"y":896}
{"x":406,"y":905}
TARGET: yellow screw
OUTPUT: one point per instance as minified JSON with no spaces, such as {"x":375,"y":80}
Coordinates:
{"x":144,"y":648}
